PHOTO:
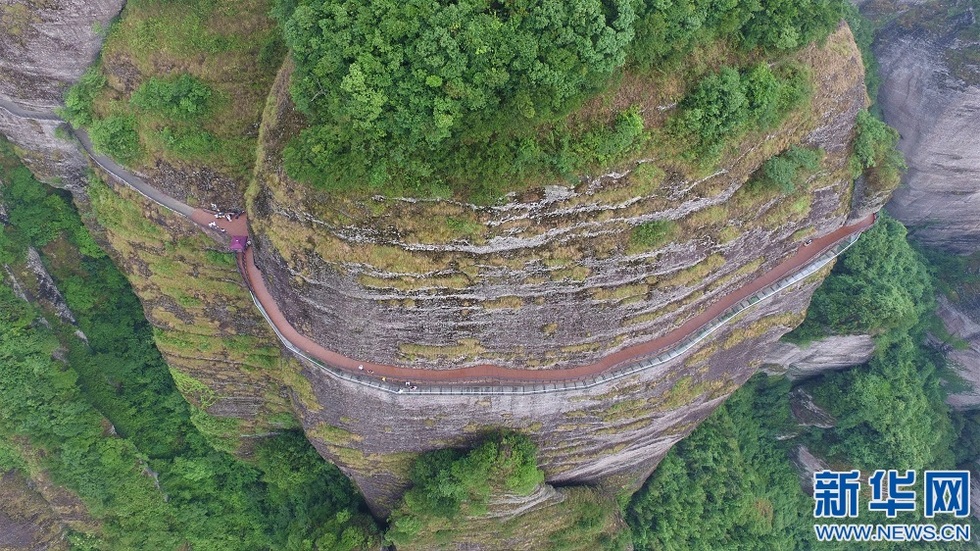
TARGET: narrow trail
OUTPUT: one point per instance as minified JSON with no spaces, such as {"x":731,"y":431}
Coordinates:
{"x":487,"y":373}
{"x":478,"y":374}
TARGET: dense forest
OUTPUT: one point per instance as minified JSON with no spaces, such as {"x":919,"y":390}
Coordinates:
{"x":483,"y":95}
{"x":94,"y":405}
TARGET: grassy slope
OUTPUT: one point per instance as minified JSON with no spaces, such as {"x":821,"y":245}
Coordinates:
{"x":231,"y":45}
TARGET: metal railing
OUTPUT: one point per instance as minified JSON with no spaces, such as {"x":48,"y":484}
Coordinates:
{"x":633,"y":367}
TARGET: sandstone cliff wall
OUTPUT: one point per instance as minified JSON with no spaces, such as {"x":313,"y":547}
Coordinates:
{"x":544,"y":281}
{"x":223,"y":356}
{"x":46,"y":45}
{"x":613,"y":435}
{"x":549,"y":279}
{"x":930,"y":92}
{"x":44,"y":48}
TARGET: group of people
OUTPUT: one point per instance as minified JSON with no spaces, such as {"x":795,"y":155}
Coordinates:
{"x":227,"y":215}
{"x":408,"y":384}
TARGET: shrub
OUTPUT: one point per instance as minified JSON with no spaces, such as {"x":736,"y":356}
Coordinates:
{"x":652,"y":234}
{"x":181,"y":98}
{"x":116,"y":136}
{"x":723,"y":105}
{"x":782,"y":171}
{"x":445,"y":482}
{"x":876,"y":152}
{"x":78,"y":98}
{"x":667,"y":30}
{"x":189,"y":141}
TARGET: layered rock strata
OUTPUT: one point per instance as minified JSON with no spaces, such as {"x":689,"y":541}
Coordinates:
{"x":548,"y":280}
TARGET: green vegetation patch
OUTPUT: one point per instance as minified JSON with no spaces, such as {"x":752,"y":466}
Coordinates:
{"x":653,"y":234}
{"x":485,"y":98}
{"x":729,"y":481}
{"x":181,"y":98}
{"x":785,"y":170}
{"x":182,"y":82}
{"x":108,"y":422}
{"x":453,"y":492}
{"x":726,"y":104}
{"x":402,"y":108}
{"x":876,"y":153}
{"x":448,"y":483}
{"x":878,"y":285}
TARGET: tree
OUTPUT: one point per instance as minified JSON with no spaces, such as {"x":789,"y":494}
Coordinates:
{"x":879,"y":284}
{"x":382,"y":81}
{"x":181,"y":98}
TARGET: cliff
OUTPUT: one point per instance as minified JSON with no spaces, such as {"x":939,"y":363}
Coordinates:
{"x":44,"y":48}
{"x":434,"y":283}
{"x":547,"y":280}
{"x":222,"y":355}
{"x":930,"y":92}
{"x":835,"y":352}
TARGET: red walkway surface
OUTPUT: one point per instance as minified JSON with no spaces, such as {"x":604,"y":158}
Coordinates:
{"x":237,"y":226}
{"x":500,"y":374}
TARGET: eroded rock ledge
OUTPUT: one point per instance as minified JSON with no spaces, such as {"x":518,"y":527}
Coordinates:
{"x":549,"y":279}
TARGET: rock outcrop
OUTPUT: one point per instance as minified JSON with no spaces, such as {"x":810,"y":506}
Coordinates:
{"x":831,"y":353}
{"x":27,"y":520}
{"x":930,"y":92}
{"x":963,"y":356}
{"x":546,"y":281}
{"x":44,"y":48}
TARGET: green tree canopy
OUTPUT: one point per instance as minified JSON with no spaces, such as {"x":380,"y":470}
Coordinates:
{"x":880,"y":284}
{"x":446,"y":482}
{"x":389,"y":79}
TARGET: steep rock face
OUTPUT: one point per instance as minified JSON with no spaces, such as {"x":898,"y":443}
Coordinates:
{"x":964,"y":359}
{"x":549,"y":279}
{"x":930,"y":92}
{"x":44,"y":48}
{"x":223,"y":356}
{"x":836,"y":352}
{"x":46,"y":45}
{"x":612,"y":434}
{"x":52,"y":158}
